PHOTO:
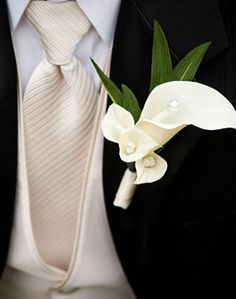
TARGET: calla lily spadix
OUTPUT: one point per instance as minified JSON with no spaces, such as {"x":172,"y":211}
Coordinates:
{"x":168,"y":109}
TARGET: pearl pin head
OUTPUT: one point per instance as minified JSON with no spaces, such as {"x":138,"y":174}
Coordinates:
{"x":149,"y":162}
{"x":173,"y":104}
{"x":131,"y":147}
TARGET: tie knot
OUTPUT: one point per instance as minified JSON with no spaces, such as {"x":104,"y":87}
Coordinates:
{"x":60,"y":25}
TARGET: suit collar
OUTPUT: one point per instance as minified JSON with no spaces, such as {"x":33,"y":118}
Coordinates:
{"x":189,"y":30}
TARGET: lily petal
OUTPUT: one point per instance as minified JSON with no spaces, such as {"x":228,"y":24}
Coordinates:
{"x":115,"y":122}
{"x":159,"y":134}
{"x":150,"y":169}
{"x":135,"y":144}
{"x":173,"y":104}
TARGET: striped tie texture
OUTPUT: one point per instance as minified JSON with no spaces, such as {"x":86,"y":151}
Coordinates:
{"x":59,"y":107}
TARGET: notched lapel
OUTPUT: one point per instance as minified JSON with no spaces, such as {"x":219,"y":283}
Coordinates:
{"x":188,"y":24}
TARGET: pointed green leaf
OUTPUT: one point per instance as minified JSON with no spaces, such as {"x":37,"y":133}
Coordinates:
{"x":113,"y":91}
{"x":130,"y":102}
{"x":188,"y":66}
{"x":161,"y":59}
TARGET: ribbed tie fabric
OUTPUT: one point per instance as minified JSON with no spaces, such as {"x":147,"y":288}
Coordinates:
{"x":59,"y":107}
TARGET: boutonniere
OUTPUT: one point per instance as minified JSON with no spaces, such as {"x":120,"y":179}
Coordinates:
{"x":174,"y":102}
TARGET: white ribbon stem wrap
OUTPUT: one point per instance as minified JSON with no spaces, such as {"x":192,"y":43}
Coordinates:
{"x":126,"y":190}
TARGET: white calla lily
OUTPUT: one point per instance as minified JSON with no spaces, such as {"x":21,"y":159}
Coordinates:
{"x":135,"y":144}
{"x":160,"y":135}
{"x":115,"y":122}
{"x":180,"y":103}
{"x":150,"y":168}
{"x":169,"y":108}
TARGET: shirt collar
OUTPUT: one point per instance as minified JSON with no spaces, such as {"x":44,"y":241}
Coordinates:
{"x":102,"y":14}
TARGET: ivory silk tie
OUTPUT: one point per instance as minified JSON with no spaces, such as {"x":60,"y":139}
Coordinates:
{"x":59,"y":107}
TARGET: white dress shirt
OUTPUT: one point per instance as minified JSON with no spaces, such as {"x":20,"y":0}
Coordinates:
{"x":96,"y":44}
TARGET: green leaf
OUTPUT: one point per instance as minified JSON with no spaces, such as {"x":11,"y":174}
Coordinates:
{"x":161,"y":59}
{"x":130,"y":102}
{"x":113,"y":91}
{"x":188,"y":66}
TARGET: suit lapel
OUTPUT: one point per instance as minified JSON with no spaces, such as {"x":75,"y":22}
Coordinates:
{"x":8,"y":132}
{"x":131,"y":60}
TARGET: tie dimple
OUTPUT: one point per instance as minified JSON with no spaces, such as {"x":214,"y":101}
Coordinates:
{"x":59,"y":108}
{"x":60,"y":25}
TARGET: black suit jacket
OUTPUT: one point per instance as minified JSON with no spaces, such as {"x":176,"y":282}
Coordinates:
{"x":179,"y":233}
